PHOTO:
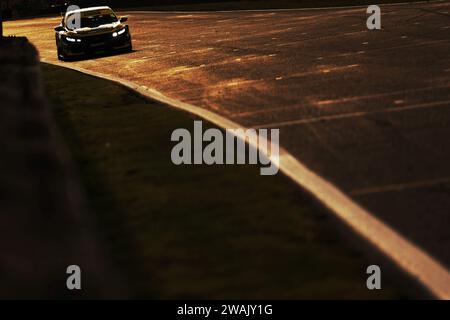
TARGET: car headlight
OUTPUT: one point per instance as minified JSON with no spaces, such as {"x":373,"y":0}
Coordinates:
{"x":120,"y":32}
{"x":72,"y":39}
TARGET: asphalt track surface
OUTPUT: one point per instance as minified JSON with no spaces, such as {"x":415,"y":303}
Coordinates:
{"x":367,"y":110}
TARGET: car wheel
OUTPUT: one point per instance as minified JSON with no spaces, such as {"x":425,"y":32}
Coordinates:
{"x":61,"y":55}
{"x":130,"y":47}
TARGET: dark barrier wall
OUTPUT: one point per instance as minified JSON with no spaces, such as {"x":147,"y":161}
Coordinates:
{"x":45,"y":222}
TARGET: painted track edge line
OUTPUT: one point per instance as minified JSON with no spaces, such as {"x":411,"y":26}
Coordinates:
{"x":409,"y":257}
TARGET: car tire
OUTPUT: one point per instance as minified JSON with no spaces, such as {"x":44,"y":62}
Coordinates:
{"x":61,"y":55}
{"x":126,"y":49}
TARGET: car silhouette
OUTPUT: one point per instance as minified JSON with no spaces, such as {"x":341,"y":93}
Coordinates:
{"x":91,"y":30}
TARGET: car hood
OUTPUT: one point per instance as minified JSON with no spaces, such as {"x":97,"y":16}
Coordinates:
{"x":105,"y":28}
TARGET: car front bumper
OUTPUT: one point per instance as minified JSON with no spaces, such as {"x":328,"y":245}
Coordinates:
{"x":97,"y":43}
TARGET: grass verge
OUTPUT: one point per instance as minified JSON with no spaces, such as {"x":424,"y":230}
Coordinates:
{"x":196,"y":231}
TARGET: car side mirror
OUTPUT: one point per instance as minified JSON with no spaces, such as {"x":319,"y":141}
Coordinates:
{"x":59,"y":28}
{"x":123,"y":19}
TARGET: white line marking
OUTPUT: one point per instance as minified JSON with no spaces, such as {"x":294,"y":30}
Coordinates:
{"x":433,"y":275}
{"x":399,"y":186}
{"x":322,"y":103}
{"x":352,"y":115}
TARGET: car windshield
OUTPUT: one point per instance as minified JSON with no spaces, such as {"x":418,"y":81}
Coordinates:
{"x":95,"y":18}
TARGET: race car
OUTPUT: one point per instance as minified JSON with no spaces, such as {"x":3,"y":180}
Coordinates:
{"x":91,"y":30}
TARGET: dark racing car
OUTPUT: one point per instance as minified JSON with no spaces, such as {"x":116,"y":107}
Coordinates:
{"x":91,"y":30}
